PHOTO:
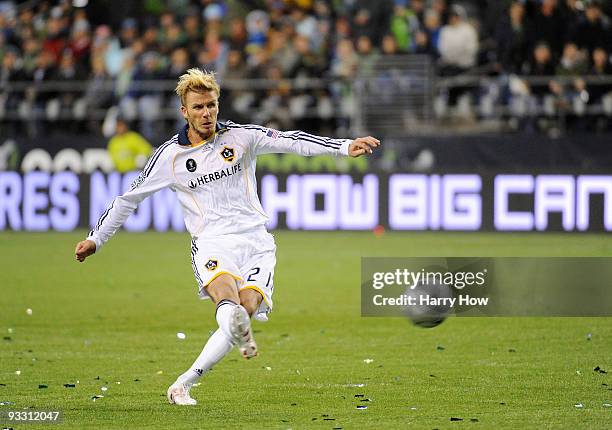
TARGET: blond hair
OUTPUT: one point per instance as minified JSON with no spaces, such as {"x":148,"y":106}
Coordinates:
{"x":196,"y":80}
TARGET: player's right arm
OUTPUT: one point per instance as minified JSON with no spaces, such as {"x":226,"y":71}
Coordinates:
{"x":157,"y":174}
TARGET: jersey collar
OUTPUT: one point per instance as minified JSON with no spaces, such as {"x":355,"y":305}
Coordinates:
{"x":184,"y":140}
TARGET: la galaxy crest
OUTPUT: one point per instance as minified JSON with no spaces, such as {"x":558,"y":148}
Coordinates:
{"x":211,"y":265}
{"x":228,"y":154}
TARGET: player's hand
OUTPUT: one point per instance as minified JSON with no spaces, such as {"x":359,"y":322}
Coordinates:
{"x":363,"y":145}
{"x":84,"y":249}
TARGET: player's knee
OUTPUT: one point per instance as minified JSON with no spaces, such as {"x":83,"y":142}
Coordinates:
{"x":250,"y":300}
{"x":223,"y":288}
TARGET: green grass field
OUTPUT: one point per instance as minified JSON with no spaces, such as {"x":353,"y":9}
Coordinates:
{"x":112,"y":322}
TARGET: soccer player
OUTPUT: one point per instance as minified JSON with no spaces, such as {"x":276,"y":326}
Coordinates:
{"x":211,"y":167}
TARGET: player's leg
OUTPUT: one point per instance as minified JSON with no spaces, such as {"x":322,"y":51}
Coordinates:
{"x":250,"y":299}
{"x":218,"y":279}
{"x":234,"y":328}
{"x":231,"y":316}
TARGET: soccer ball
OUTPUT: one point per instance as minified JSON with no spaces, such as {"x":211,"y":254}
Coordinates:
{"x":427,"y":310}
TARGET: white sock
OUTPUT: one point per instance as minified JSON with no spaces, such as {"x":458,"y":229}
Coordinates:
{"x":217,"y":347}
{"x":224,"y":314}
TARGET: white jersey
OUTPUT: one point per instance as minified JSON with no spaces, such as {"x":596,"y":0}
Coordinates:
{"x":215,"y":181}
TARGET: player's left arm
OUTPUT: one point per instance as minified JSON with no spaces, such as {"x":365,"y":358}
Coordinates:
{"x":267,"y":141}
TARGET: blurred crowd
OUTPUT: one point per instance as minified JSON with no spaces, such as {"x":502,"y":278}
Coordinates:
{"x":116,"y":58}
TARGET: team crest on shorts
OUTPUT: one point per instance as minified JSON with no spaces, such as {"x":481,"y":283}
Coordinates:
{"x":228,"y":154}
{"x":211,"y":265}
{"x":191,"y":165}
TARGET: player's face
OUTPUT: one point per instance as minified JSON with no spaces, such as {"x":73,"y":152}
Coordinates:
{"x":200,"y":110}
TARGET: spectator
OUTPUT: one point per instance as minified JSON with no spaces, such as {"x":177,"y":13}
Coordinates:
{"x":257,"y":25}
{"x":325,"y":23}
{"x":309,"y":64}
{"x":129,"y":32}
{"x":371,"y":18}
{"x":404,"y":25}
{"x":282,"y":52}
{"x":55,"y":41}
{"x":42,"y":72}
{"x":10,"y":72}
{"x":441,"y":7}
{"x":594,"y":28}
{"x":98,"y":92}
{"x":236,"y":68}
{"x":143,"y":91}
{"x":389,"y":45}
{"x":368,"y":56}
{"x":541,"y":65}
{"x":179,"y":63}
{"x":514,"y":39}
{"x":193,"y":32}
{"x":80,"y":42}
{"x":70,"y":74}
{"x":150,"y":39}
{"x":601,"y":72}
{"x":31,"y":49}
{"x":9,"y":96}
{"x":573,"y":62}
{"x":237,"y":35}
{"x":458,"y":43}
{"x":428,"y":39}
{"x":346,"y":61}
{"x":418,"y":8}
{"x":173,"y":38}
{"x":550,"y":26}
{"x":305,"y":25}
{"x":128,"y":149}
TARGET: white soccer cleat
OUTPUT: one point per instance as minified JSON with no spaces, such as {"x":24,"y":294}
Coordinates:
{"x":178,"y":394}
{"x":242,"y":333}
